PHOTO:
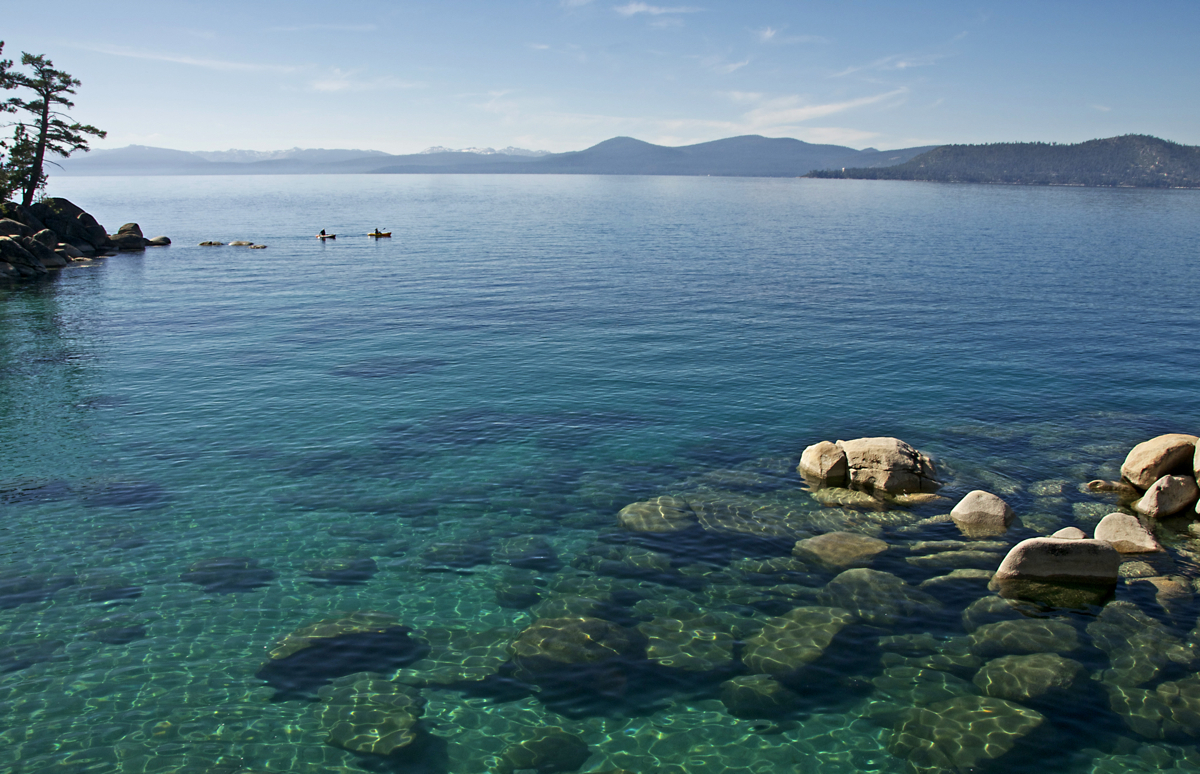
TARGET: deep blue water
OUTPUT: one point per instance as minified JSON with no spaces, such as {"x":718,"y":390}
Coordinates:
{"x":525,"y":356}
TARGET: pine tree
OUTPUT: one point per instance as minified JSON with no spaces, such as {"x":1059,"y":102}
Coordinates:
{"x":49,"y":130}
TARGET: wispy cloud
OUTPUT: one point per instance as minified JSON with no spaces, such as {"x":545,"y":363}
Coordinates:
{"x":894,"y":62}
{"x":728,"y":67}
{"x":1101,"y":108}
{"x":633,"y":8}
{"x":741,"y":97}
{"x":573,"y":3}
{"x":538,"y":46}
{"x":327,"y":28}
{"x":788,"y":111}
{"x":210,"y":64}
{"x":766,"y":33}
{"x":348,"y":81}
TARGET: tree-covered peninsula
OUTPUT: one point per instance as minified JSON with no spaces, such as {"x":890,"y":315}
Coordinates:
{"x":1133,"y":160}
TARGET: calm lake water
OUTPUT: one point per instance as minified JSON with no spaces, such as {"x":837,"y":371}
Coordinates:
{"x":208,"y":448}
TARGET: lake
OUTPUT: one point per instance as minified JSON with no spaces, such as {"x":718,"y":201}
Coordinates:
{"x":208,"y":449}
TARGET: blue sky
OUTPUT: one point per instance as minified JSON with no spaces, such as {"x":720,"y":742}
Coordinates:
{"x":564,"y":74}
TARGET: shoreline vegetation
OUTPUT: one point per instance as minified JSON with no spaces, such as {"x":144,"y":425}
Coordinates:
{"x":1129,"y":161}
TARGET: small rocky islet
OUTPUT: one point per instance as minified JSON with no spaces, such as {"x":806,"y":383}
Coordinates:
{"x":54,"y":233}
{"x":1036,"y":626}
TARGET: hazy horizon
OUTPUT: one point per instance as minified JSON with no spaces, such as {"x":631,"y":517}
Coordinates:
{"x":560,"y":75}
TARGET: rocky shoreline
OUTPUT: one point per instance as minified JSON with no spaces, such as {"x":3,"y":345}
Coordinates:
{"x":55,"y":233}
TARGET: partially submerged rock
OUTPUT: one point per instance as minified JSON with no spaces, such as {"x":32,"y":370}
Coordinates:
{"x":824,"y":462}
{"x":888,"y":465}
{"x":1151,"y":460}
{"x":357,"y":622}
{"x":1071,"y":533}
{"x":982,"y":514}
{"x":1168,"y":496}
{"x":1064,"y":561}
{"x":1138,"y":646}
{"x":1126,"y":534}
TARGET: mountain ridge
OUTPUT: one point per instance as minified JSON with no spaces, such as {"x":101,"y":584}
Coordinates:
{"x":747,"y":155}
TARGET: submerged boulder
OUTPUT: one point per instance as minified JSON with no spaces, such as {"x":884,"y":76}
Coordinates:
{"x":1151,"y":460}
{"x":757,"y":696}
{"x":577,"y":640}
{"x":840,"y":549}
{"x":961,"y":733}
{"x":794,"y":639}
{"x":1022,"y":678}
{"x":1138,"y":646}
{"x":546,"y":751}
{"x":364,"y":713}
{"x":879,"y":598}
{"x":659,"y":514}
{"x":888,"y":465}
{"x":1024,"y":635}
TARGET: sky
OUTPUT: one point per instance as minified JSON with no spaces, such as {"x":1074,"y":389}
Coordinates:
{"x":562,"y":75}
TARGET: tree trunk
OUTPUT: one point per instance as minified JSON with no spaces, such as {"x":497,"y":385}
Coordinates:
{"x":39,"y":156}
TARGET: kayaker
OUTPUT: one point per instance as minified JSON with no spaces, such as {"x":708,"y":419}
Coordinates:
{"x":322,"y":232}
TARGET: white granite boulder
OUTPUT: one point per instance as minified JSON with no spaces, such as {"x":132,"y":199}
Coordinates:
{"x":981,"y":513}
{"x":825,"y":462}
{"x":1151,"y":460}
{"x":840,"y":549}
{"x":888,"y":465}
{"x":1061,"y":561}
{"x":1070,"y":533}
{"x":1126,"y":534}
{"x":1168,"y":496}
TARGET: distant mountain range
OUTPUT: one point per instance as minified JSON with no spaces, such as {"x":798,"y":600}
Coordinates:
{"x":749,"y":156}
{"x":1132,"y":160}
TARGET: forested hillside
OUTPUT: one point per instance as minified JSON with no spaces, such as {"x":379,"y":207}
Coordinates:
{"x":1131,"y":160}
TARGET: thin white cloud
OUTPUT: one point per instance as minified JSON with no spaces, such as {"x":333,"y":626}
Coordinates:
{"x":538,"y":46}
{"x":327,"y":28}
{"x":766,"y":33}
{"x":1101,"y":108}
{"x":573,"y":3}
{"x":209,"y":64}
{"x":728,"y":67}
{"x":741,"y":97}
{"x":894,"y":62}
{"x":633,"y":8}
{"x":339,"y":81}
{"x":786,"y":111}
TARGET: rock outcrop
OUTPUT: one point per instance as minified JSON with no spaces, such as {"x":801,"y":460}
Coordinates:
{"x":53,"y":233}
{"x":825,"y":462}
{"x":882,"y":466}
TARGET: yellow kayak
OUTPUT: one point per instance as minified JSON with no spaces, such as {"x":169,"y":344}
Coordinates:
{"x":378,"y":234}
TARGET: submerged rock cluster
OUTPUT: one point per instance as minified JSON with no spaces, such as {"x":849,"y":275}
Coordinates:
{"x":941,"y":619}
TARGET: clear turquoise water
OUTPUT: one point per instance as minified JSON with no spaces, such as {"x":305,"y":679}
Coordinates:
{"x":524,"y":357}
